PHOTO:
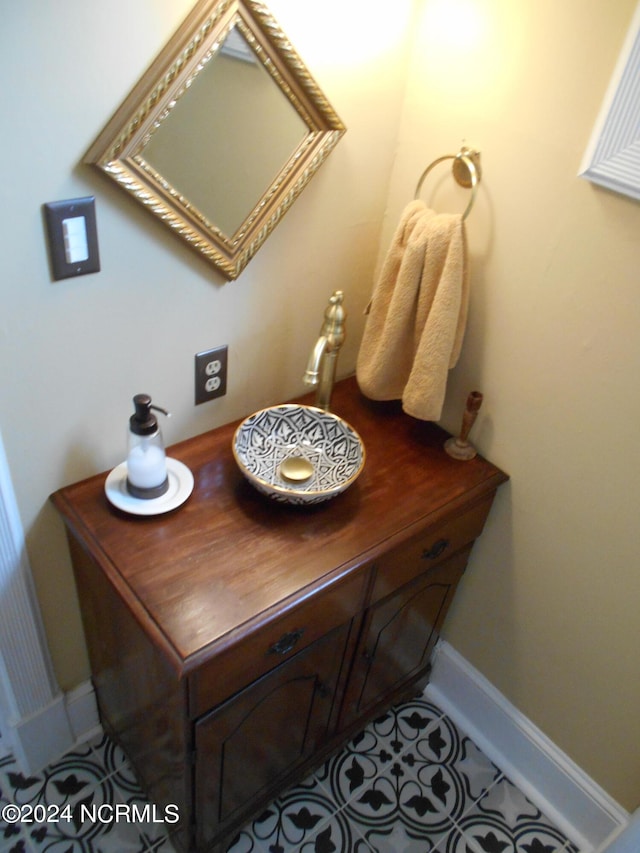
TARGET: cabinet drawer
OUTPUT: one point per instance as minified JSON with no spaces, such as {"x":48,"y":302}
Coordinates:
{"x":258,"y":652}
{"x":428,"y":549}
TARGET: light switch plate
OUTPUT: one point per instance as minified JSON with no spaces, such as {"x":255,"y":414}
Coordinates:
{"x":56,"y":212}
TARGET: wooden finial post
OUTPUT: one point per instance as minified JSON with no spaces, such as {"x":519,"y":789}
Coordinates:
{"x":459,"y":448}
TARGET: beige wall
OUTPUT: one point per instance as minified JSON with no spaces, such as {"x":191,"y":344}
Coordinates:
{"x":548,"y":608}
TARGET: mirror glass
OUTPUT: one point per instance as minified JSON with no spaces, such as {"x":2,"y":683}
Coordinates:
{"x":222,"y":133}
{"x":229,"y":158}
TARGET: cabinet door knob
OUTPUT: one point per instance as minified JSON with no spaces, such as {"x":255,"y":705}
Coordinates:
{"x":286,"y":642}
{"x":323,"y":690}
{"x":436,"y":549}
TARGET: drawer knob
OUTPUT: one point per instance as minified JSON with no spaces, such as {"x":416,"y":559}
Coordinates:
{"x":286,"y":642}
{"x":436,"y":549}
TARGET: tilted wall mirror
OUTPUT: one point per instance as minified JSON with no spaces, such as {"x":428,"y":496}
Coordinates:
{"x":222,"y":133}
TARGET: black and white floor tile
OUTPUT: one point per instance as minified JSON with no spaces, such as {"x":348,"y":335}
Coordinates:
{"x":70,"y":806}
{"x":411,"y":782}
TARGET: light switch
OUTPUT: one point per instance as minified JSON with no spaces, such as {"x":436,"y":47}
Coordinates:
{"x":74,"y":232}
{"x":73,"y":237}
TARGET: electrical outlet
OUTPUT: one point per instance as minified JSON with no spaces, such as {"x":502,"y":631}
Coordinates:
{"x":211,"y":374}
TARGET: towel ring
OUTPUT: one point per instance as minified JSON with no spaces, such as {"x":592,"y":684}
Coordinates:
{"x":465,"y":169}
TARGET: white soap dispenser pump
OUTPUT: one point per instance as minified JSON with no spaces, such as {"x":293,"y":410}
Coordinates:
{"x":146,"y":461}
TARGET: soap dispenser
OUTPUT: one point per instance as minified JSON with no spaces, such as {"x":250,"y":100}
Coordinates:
{"x":146,"y":461}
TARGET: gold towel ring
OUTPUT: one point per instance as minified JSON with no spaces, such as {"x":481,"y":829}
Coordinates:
{"x":465,"y":169}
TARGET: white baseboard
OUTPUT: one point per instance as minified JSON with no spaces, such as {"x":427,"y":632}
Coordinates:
{"x":42,"y":737}
{"x":627,"y":840}
{"x":45,"y":736}
{"x":82,"y":711}
{"x":551,"y":780}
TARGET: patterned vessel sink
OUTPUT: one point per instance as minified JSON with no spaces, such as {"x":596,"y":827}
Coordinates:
{"x":298,"y":454}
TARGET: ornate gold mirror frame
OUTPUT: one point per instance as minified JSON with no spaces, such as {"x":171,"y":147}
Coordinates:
{"x":145,"y":145}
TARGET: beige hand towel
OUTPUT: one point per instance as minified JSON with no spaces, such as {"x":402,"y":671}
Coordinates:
{"x":418,"y":315}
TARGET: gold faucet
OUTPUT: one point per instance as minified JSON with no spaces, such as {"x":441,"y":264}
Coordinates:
{"x":321,"y":369}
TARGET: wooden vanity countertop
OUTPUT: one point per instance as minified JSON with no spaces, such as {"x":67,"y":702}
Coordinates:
{"x":231,"y":558}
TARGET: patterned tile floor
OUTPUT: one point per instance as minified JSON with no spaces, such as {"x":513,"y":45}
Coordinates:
{"x":410,"y":783}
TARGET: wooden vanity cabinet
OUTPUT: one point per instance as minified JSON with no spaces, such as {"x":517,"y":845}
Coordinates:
{"x":236,"y":642}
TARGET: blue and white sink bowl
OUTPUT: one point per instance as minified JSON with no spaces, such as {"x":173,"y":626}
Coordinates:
{"x":298,"y":454}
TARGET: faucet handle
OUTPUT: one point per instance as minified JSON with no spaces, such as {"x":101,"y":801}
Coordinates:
{"x":334,"y":315}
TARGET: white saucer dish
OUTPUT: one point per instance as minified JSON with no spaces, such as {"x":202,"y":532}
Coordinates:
{"x":180,"y":487}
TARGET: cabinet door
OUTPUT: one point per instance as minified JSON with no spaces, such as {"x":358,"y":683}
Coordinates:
{"x":246,"y":745}
{"x":398,"y":636}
